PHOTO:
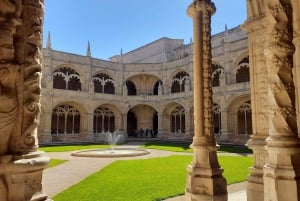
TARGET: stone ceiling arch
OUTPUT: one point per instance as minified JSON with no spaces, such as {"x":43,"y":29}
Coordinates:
{"x":235,"y":102}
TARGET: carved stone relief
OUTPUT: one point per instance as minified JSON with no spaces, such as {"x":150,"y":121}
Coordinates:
{"x":20,"y":87}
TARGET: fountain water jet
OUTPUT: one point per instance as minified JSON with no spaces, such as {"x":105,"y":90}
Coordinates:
{"x":112,"y":139}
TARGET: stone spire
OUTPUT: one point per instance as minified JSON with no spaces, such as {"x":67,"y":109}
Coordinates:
{"x":88,"y":50}
{"x":205,"y":180}
{"x":49,"y":44}
{"x":121,"y":56}
{"x":226,"y":33}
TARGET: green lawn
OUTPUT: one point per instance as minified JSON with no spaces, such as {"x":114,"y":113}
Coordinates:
{"x":167,"y":146}
{"x":147,"y":179}
{"x":55,"y":162}
{"x":63,"y":148}
{"x":185,"y":147}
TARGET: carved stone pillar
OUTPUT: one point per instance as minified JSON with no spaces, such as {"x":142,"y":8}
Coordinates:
{"x":296,"y":42}
{"x":188,"y":127}
{"x":224,"y":123}
{"x":205,"y":180}
{"x":124,"y":126}
{"x":159,"y":125}
{"x":282,"y":170}
{"x":21,"y":164}
{"x":90,"y":127}
{"x":255,"y":27}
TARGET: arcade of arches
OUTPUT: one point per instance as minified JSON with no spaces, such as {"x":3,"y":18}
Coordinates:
{"x":149,"y":98}
{"x":149,"y":90}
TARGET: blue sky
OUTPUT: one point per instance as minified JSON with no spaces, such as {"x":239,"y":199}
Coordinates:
{"x":110,"y":25}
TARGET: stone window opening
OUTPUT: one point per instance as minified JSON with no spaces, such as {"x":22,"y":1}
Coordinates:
{"x":242,"y":72}
{"x":66,"y":78}
{"x":131,"y":89}
{"x":179,"y":82}
{"x":245,"y":119}
{"x":217,"y":71}
{"x":157,"y":89}
{"x":103,"y":83}
{"x":104,"y":120}
{"x":65,"y":120}
{"x":178,"y":121}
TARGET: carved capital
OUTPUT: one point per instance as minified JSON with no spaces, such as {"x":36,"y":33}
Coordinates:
{"x":206,"y":7}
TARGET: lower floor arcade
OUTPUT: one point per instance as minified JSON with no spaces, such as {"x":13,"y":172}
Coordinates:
{"x":74,"y":122}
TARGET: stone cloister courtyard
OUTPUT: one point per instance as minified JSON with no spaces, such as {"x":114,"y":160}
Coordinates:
{"x":273,"y":29}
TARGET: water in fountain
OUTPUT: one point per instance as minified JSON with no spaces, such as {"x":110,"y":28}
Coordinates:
{"x":113,"y":139}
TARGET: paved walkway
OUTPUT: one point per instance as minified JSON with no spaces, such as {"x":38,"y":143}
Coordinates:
{"x":78,"y":168}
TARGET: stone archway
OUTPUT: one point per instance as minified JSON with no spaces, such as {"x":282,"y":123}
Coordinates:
{"x":142,"y":121}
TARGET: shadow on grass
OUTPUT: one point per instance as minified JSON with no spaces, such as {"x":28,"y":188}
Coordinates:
{"x":185,"y":147}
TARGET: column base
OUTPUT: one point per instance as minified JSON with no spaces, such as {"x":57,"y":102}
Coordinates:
{"x":196,"y":197}
{"x":21,"y":177}
{"x":282,"y":171}
{"x":255,"y":188}
{"x":205,"y":180}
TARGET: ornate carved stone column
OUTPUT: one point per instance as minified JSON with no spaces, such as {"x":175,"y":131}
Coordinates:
{"x":282,"y":170}
{"x":296,"y":42}
{"x":205,"y":180}
{"x":255,"y":27}
{"x":21,"y":164}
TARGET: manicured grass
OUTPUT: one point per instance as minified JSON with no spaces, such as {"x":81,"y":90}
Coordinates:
{"x":55,"y":162}
{"x":147,"y":179}
{"x":63,"y":148}
{"x":168,"y":146}
{"x":185,"y":147}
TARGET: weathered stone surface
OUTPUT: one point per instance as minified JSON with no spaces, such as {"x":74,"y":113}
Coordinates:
{"x":205,"y":180}
{"x":21,"y":165}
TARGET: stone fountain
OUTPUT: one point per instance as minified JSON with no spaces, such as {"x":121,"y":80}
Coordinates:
{"x":113,"y":139}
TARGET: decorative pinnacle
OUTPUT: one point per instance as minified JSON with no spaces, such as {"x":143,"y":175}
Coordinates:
{"x":88,"y":50}
{"x":49,"y":45}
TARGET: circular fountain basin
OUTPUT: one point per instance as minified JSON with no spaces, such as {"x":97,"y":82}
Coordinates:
{"x":110,"y":153}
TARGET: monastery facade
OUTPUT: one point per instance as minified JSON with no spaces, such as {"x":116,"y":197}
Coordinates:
{"x":145,"y":93}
